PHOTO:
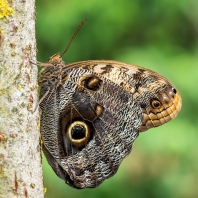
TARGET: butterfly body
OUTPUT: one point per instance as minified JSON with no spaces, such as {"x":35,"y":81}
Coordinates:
{"x":92,"y":111}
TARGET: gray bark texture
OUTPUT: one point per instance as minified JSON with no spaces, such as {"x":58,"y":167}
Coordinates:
{"x":20,"y":152}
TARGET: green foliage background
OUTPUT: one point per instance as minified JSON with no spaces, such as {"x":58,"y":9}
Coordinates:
{"x":159,"y":35}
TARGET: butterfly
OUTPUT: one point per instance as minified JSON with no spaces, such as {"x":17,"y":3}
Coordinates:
{"x":92,"y":112}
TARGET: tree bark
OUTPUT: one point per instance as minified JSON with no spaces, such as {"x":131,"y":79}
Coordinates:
{"x":20,"y":152}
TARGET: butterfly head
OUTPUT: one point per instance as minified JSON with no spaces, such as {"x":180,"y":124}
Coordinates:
{"x":56,"y":59}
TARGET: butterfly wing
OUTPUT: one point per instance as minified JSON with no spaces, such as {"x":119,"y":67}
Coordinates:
{"x":91,"y":114}
{"x":113,"y":120}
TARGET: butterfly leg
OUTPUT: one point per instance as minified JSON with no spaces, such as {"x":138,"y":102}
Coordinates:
{"x":46,"y":93}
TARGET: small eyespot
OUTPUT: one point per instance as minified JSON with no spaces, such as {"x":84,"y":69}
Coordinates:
{"x":156,"y":104}
{"x":99,"y":110}
{"x":174,"y":90}
{"x":93,"y":83}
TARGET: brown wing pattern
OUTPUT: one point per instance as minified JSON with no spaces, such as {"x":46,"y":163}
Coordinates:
{"x":92,"y":111}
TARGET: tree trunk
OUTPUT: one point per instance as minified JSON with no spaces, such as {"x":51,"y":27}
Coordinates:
{"x":20,"y":153}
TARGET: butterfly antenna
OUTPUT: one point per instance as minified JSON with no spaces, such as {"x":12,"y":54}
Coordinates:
{"x":74,"y":35}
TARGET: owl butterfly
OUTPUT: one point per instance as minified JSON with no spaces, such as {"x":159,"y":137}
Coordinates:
{"x":92,"y":112}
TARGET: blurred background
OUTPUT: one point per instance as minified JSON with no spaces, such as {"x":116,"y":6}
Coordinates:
{"x":159,"y":35}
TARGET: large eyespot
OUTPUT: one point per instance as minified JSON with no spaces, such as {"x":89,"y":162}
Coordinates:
{"x":156,"y":104}
{"x":93,"y":83}
{"x":79,"y":133}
